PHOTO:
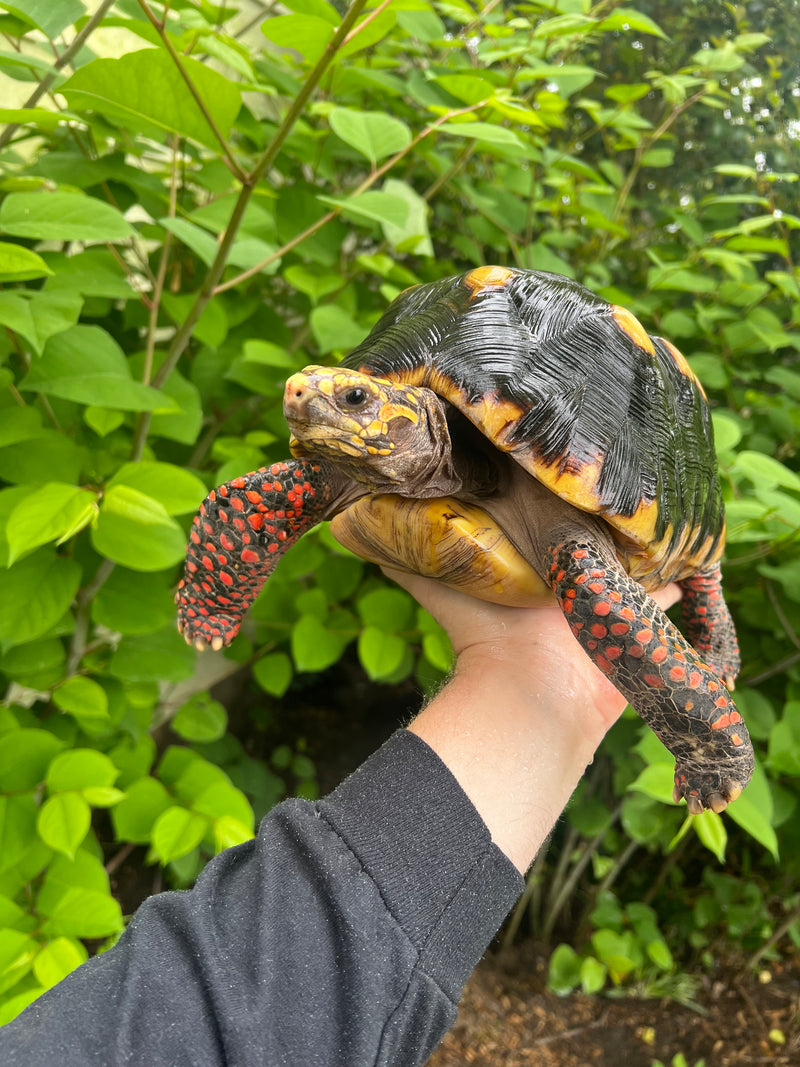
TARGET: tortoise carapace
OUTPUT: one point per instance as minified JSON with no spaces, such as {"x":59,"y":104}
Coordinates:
{"x":516,"y":436}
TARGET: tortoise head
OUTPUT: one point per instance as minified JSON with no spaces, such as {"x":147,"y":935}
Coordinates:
{"x":383,"y":434}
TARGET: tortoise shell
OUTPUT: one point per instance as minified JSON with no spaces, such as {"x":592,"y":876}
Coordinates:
{"x":609,"y":418}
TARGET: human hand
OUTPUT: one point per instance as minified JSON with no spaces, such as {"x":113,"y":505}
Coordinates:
{"x":522,"y":715}
{"x":533,"y":644}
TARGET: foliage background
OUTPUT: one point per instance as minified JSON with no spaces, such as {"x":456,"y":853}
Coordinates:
{"x":198,"y":200}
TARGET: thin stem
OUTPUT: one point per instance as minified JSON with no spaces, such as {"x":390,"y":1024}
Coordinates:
{"x":335,"y":212}
{"x":571,"y":881}
{"x":207,"y":290}
{"x":196,"y":96}
{"x":84,"y":599}
{"x":372,"y":15}
{"x":647,"y":143}
{"x":63,"y":59}
{"x":782,"y":930}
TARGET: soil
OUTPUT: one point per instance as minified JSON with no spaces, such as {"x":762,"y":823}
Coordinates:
{"x":508,"y":1018}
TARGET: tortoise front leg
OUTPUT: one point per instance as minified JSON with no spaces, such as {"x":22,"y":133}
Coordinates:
{"x":647,"y":658}
{"x":238,"y":535}
{"x":708,"y":622}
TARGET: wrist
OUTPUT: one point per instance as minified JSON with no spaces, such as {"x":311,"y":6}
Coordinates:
{"x":517,"y":743}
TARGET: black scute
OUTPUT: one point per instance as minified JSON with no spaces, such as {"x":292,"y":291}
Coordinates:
{"x":587,"y":389}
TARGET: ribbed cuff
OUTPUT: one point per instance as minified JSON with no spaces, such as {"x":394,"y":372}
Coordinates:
{"x":423,"y":843}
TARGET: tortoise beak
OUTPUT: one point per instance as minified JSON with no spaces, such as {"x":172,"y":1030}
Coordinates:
{"x":311,"y":412}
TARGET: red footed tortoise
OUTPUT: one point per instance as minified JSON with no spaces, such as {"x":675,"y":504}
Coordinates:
{"x":518,"y":437}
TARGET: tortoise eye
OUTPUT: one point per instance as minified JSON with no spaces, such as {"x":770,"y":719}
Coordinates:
{"x":355,"y":397}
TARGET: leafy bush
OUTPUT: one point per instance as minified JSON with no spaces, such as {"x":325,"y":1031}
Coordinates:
{"x":192,"y":208}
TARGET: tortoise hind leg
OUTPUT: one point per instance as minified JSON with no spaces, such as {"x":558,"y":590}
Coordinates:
{"x":708,"y":623}
{"x":646,"y":657}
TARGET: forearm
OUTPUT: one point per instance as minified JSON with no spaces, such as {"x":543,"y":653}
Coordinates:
{"x":517,"y":739}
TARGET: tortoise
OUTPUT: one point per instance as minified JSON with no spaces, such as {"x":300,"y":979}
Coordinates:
{"x":517,"y":436}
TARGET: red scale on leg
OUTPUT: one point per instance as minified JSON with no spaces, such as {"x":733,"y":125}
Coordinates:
{"x":240,"y":549}
{"x":708,"y":623}
{"x":640,"y":650}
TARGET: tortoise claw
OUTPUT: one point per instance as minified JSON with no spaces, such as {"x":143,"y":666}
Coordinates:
{"x":716,"y":800}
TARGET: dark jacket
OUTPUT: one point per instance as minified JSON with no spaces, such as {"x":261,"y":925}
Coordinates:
{"x":340,"y":937}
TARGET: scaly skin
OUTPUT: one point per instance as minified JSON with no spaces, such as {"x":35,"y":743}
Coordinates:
{"x":709,"y":626}
{"x":635,"y":645}
{"x":240,"y":532}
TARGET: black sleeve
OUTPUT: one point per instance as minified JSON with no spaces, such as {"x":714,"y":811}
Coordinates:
{"x":340,"y":937}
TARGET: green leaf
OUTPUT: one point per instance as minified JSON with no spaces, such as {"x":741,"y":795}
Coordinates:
{"x":87,"y":365}
{"x":221,"y":798}
{"x":334,"y":329}
{"x":83,"y":698}
{"x":17,"y":828}
{"x":321,"y":8}
{"x":627,"y":20}
{"x":373,"y":134}
{"x":313,"y":646}
{"x":307,"y":34}
{"x":63,"y":822}
{"x":656,"y":781}
{"x":35,"y":593}
{"x":145,"y":92}
{"x":593,"y":975}
{"x":24,"y":758}
{"x":273,"y":673}
{"x":201,"y":719}
{"x":387,"y":609}
{"x":62,"y":217}
{"x":380,"y":653}
{"x":468,"y":88}
{"x":412,"y":235}
{"x":438,"y":650}
{"x":135,"y":530}
{"x":178,"y":490}
{"x":372,"y":207}
{"x":765,"y":471}
{"x":710,"y":828}
{"x":53,"y":512}
{"x":136,"y":814}
{"x":158,"y":656}
{"x":564,"y":970}
{"x":483,"y":131}
{"x":57,"y":959}
{"x":134,"y":603}
{"x":176,"y":832}
{"x":50,"y":18}
{"x":79,"y":768}
{"x":229,"y":831}
{"x":80,"y":912}
{"x":748,"y":814}
{"x":19,"y":264}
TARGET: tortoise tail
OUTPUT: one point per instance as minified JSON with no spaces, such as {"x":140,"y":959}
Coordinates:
{"x":239,"y":534}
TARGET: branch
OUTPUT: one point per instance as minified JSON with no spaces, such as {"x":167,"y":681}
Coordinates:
{"x":63,"y":59}
{"x":335,"y":212}
{"x":207,"y":290}
{"x":235,"y":169}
